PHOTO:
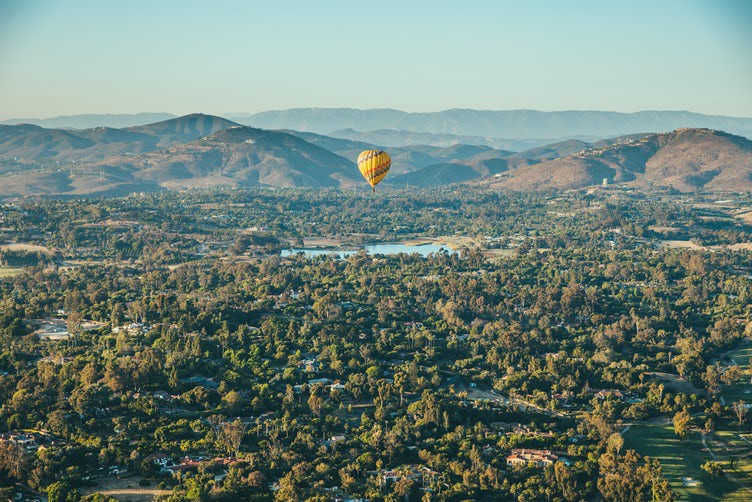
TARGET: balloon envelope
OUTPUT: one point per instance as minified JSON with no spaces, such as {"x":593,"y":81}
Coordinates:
{"x":373,"y":165}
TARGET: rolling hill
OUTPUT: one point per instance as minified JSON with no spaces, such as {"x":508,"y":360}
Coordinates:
{"x":195,"y":150}
{"x":28,"y":142}
{"x":241,"y":156}
{"x":686,"y":160}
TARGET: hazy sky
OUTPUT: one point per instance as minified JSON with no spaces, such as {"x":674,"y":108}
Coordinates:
{"x":106,"y":56}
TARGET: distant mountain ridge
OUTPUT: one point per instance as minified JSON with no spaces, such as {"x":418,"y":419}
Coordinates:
{"x":495,"y":128}
{"x":394,"y":138}
{"x":509,"y":124}
{"x":87,"y":121}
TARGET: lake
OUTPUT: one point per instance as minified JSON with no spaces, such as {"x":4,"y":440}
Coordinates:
{"x":421,"y":249}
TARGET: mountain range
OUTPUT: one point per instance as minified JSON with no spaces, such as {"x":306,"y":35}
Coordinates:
{"x":202,"y":150}
{"x":508,"y":124}
{"x":87,"y":121}
{"x":505,"y":129}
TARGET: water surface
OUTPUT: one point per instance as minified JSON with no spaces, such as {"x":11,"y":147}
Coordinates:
{"x":421,"y":249}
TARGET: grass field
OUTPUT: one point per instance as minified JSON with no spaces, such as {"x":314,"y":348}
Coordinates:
{"x":9,"y":271}
{"x":681,"y":461}
{"x":742,"y":389}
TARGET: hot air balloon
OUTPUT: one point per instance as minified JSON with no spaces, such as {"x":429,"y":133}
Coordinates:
{"x":373,"y":165}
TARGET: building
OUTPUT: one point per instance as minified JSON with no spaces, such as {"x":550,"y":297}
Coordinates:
{"x":533,"y":458}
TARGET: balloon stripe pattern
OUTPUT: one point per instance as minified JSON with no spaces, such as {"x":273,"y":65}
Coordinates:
{"x":373,"y":165}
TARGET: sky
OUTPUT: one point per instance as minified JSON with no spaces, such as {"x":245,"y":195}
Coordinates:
{"x":61,"y":57}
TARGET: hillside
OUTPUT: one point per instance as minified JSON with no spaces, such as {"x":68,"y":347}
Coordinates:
{"x":195,"y":150}
{"x":407,"y":158}
{"x":242,"y":156}
{"x":686,"y":160}
{"x":28,"y":142}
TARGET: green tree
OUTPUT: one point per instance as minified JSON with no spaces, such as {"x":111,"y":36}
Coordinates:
{"x":682,"y":421}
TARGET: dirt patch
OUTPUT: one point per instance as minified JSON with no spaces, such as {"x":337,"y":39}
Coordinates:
{"x":125,"y":489}
{"x":498,"y":253}
{"x":322,"y":242}
{"x":676,"y":382}
{"x":32,"y":248}
{"x":674,"y":244}
{"x":742,"y":246}
{"x":745,"y":217}
{"x":455,"y":243}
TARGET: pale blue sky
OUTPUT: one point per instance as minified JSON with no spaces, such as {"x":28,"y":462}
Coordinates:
{"x":105,"y":56}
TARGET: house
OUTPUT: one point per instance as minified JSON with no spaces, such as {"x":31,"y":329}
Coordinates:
{"x":186,"y":464}
{"x":163,"y":395}
{"x":160,"y":459}
{"x":324,"y":381}
{"x":534,"y":458}
{"x":337,"y":438}
{"x":26,"y":441}
{"x":614,"y":393}
{"x":310,"y":365}
{"x":419,"y":473}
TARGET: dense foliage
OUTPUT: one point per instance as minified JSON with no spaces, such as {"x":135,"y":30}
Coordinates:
{"x":381,"y":377}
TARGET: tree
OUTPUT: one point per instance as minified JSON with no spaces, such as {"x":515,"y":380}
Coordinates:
{"x":566,"y":481}
{"x":615,"y":442}
{"x":289,"y":490}
{"x":405,"y":487}
{"x":715,"y":469}
{"x":627,"y":478}
{"x":682,"y":421}
{"x":712,"y":379}
{"x":232,"y":401}
{"x":232,"y":434}
{"x":13,"y":459}
{"x":740,"y":410}
{"x":316,"y":404}
{"x":61,"y":491}
{"x":731,"y":375}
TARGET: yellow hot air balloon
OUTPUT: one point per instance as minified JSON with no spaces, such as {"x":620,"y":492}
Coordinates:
{"x":373,"y":165}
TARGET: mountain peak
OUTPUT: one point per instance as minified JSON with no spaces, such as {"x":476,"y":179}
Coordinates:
{"x":185,"y":128}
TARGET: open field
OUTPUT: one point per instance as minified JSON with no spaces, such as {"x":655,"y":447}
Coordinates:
{"x":125,"y":489}
{"x":741,"y":389}
{"x":19,"y":246}
{"x":741,"y":246}
{"x":679,"y":244}
{"x":676,"y":244}
{"x":681,"y":460}
{"x":10,"y":271}
{"x":745,"y":216}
